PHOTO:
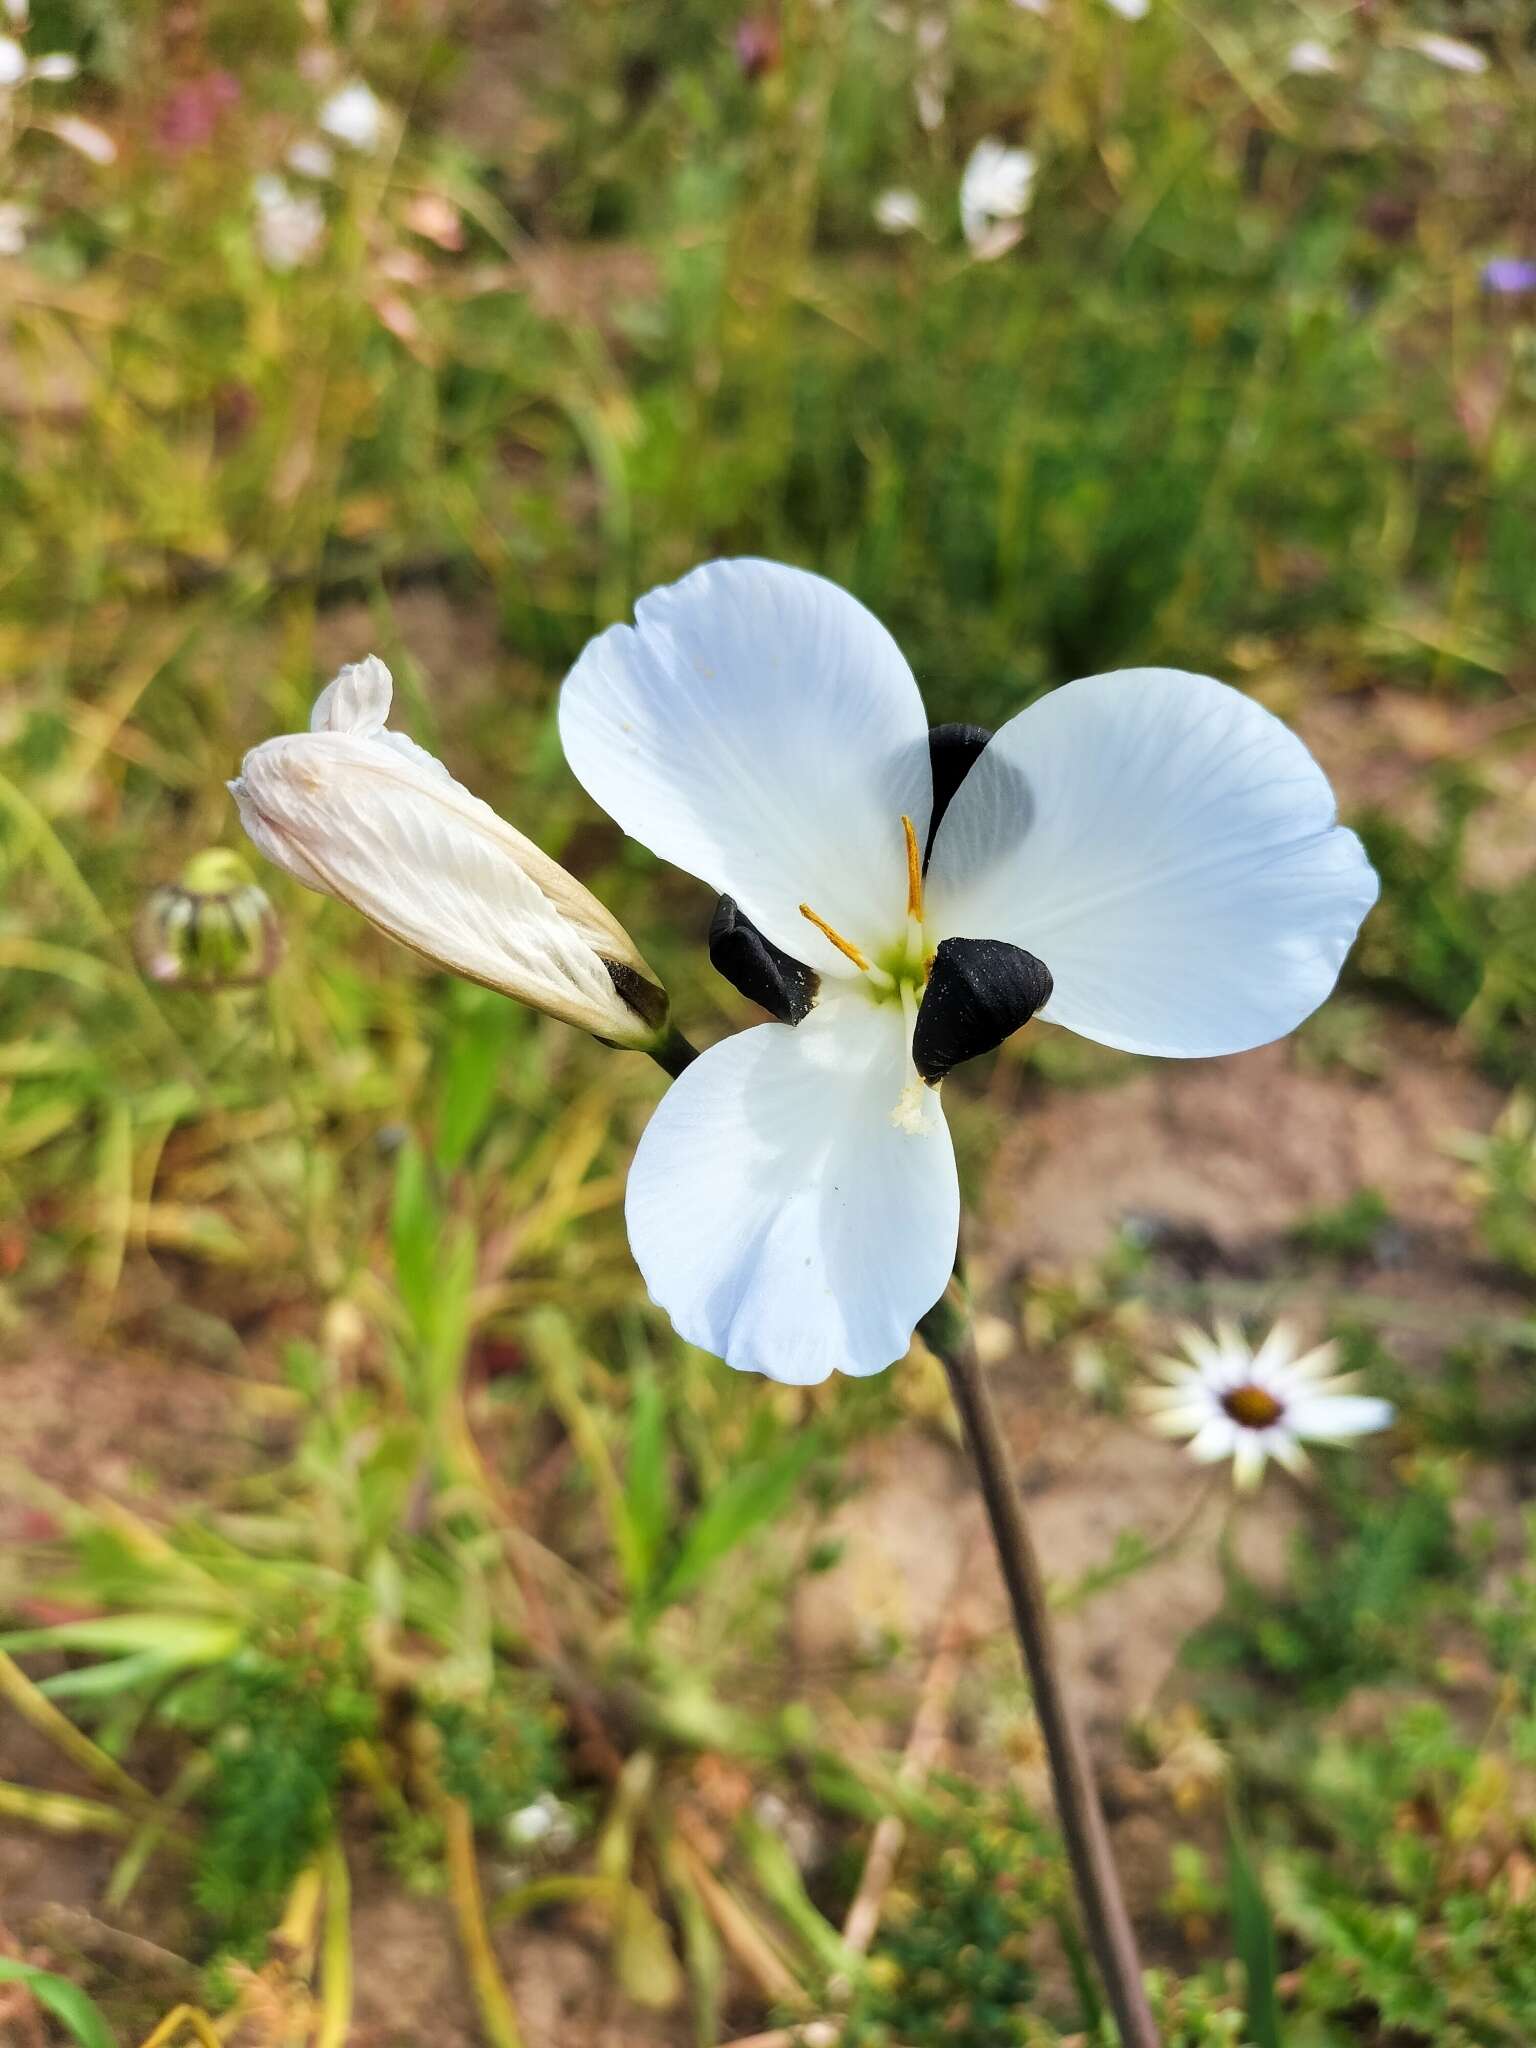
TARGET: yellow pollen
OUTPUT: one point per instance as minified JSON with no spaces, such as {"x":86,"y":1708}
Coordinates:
{"x":844,"y":946}
{"x":914,"y":870}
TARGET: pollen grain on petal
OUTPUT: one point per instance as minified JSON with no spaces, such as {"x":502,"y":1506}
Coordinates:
{"x":846,"y":947}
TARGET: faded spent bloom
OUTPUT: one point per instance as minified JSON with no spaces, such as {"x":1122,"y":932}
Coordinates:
{"x":1148,"y":858}
{"x":1233,"y":1402}
{"x":364,"y":814}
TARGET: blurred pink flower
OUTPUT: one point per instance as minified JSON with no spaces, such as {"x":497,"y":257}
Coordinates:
{"x":189,"y":116}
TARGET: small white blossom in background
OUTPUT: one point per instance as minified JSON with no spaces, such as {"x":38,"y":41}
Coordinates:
{"x":930,"y":88}
{"x":355,"y":116}
{"x":93,"y":143}
{"x":309,"y":157}
{"x":1131,"y":10}
{"x":15,"y":220}
{"x":1311,"y":59}
{"x":995,"y":190}
{"x":290,"y":226}
{"x":17,"y":69}
{"x":1450,"y":53}
{"x":1232,"y":1401}
{"x":546,"y":1824}
{"x":1040,"y":7}
{"x":361,"y":813}
{"x":898,"y":212}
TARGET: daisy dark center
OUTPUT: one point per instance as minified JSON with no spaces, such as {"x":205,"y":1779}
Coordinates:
{"x":1253,"y":1407}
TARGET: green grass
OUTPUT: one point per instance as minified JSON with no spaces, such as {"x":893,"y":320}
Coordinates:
{"x":600,"y":307}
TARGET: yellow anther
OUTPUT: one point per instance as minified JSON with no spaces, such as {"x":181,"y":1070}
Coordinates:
{"x":844,"y":946}
{"x":914,"y":870}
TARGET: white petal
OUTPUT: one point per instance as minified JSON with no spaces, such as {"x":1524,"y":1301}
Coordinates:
{"x":1169,"y":850}
{"x":1329,"y":1418}
{"x":435,"y":868}
{"x":758,"y":727}
{"x":1248,"y":1458}
{"x":57,"y":68}
{"x":357,"y":699}
{"x":1219,"y":1438}
{"x":13,"y":62}
{"x":779,"y":1214}
{"x":354,"y":115}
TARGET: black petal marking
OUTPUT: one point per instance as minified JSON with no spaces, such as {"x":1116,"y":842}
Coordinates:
{"x":953,"y":751}
{"x":979,"y":992}
{"x":759,"y":969}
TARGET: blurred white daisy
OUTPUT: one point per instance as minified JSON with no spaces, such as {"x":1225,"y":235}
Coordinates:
{"x":995,"y":191}
{"x":1450,"y":53}
{"x":289,"y":225}
{"x":1232,"y":1401}
{"x":898,"y":212}
{"x":354,"y":115}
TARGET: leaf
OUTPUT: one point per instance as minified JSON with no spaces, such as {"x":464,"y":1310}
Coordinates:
{"x":748,"y":1498}
{"x":66,"y":2001}
{"x":647,"y":1503}
{"x":179,"y":1638}
{"x":1253,"y":1934}
{"x":473,"y":1059}
{"x":414,"y":1226}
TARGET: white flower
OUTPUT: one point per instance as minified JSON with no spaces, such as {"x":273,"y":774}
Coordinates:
{"x":1450,"y":53}
{"x":92,"y":142}
{"x":366,"y":815}
{"x":1250,"y":1406}
{"x":15,"y":220}
{"x":995,"y":191}
{"x":290,"y":226}
{"x":354,"y":115}
{"x":16,"y":68}
{"x":310,"y":157}
{"x":898,"y":212}
{"x":1311,"y":59}
{"x":1131,"y":10}
{"x":1149,"y":858}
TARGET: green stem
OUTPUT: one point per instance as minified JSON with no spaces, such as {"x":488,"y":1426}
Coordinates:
{"x":672,"y":1052}
{"x":948,"y":1332}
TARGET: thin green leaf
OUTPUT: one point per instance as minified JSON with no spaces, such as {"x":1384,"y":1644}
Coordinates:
{"x":1253,"y":1935}
{"x":67,"y":2002}
{"x":647,"y":1490}
{"x":748,"y":1498}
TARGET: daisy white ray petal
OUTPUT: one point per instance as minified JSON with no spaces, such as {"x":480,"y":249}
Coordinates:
{"x":1170,"y":851}
{"x":780,"y":1215}
{"x":995,"y":191}
{"x":758,"y":727}
{"x":1232,"y":1401}
{"x":358,"y":812}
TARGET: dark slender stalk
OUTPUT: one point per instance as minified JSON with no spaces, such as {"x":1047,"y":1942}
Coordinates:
{"x":947,"y":1330}
{"x":672,"y":1052}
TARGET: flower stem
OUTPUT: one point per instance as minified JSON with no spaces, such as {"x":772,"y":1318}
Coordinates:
{"x":948,"y":1332}
{"x":672,"y":1052}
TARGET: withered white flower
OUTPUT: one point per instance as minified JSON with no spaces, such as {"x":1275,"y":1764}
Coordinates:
{"x":995,"y":191}
{"x":1250,"y":1406}
{"x":1148,"y":858}
{"x":362,"y":813}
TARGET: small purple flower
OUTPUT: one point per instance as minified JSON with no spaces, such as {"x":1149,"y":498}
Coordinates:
{"x":1509,"y":275}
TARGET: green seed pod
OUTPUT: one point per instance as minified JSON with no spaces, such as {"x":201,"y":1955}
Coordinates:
{"x":212,"y":928}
